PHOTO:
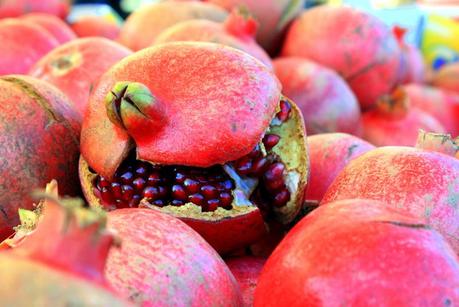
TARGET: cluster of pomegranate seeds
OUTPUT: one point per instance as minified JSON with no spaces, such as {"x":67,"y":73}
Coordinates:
{"x":209,"y":188}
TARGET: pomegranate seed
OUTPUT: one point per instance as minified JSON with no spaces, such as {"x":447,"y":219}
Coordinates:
{"x":196,"y":199}
{"x":212,"y":204}
{"x":225,"y":185}
{"x":284,"y":112}
{"x":178,"y":192}
{"x":163,"y":192}
{"x":209,"y":191}
{"x":281,"y":198}
{"x":139,"y":183}
{"x":244,"y":166}
{"x":177,"y":203}
{"x":141,"y":171}
{"x":270,"y":140}
{"x":191,"y":186}
{"x":106,"y":195}
{"x":154,"y":179}
{"x":259,"y":166}
{"x":151,"y":193}
{"x":103,"y":183}
{"x":180,"y":177}
{"x":158,"y":202}
{"x":134,"y":201}
{"x":226,"y":200}
{"x":127,"y":192}
{"x":116,"y":190}
{"x":275,"y":185}
{"x":255,"y":152}
{"x":127,"y":177}
{"x":275,"y":171}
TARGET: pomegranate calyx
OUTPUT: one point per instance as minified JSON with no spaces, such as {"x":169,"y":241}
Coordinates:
{"x":395,"y":105}
{"x":438,"y":142}
{"x":240,"y":23}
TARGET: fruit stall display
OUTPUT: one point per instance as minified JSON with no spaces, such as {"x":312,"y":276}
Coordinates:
{"x":228,"y":153}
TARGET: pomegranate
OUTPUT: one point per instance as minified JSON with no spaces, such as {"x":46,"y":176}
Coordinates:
{"x":39,"y":135}
{"x":441,"y":104}
{"x":357,"y":45}
{"x":273,"y":15}
{"x":329,"y":153}
{"x":76,"y":66}
{"x":96,"y":26}
{"x":359,"y":253}
{"x":412,"y":62}
{"x":14,"y":8}
{"x":409,"y":180}
{"x":61,"y":262}
{"x":394,"y":122}
{"x":200,"y":131}
{"x":439,"y":143}
{"x":55,"y":26}
{"x":324,"y":98}
{"x":447,"y":77}
{"x":163,"y":262}
{"x":23,"y":43}
{"x":143,"y":26}
{"x":246,"y":271}
{"x":238,"y":31}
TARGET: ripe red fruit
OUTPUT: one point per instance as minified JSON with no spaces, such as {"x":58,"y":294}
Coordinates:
{"x":441,"y":104}
{"x":359,"y":253}
{"x":415,"y":181}
{"x":76,"y":66}
{"x":143,"y":26}
{"x":61,"y":262}
{"x":324,"y":98}
{"x":238,"y":31}
{"x":14,"y":8}
{"x":447,"y":78}
{"x":23,"y":43}
{"x":394,"y":122}
{"x":329,"y":153}
{"x":412,"y":62}
{"x":54,"y":25}
{"x":163,"y":262}
{"x":96,"y":26}
{"x":246,"y":271}
{"x":357,"y":45}
{"x":181,"y":128}
{"x":273,"y":16}
{"x":39,"y":134}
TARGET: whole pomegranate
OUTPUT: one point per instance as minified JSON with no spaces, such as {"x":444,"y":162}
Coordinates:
{"x":163,"y":262}
{"x":441,"y":104}
{"x":200,"y":131}
{"x":360,"y":47}
{"x":39,"y":135}
{"x":274,"y":17}
{"x":96,"y":26}
{"x":359,"y":253}
{"x":76,"y":66}
{"x":61,"y":262}
{"x":14,"y":8}
{"x":329,"y":153}
{"x":143,"y":26}
{"x":447,"y":78}
{"x":324,"y":98}
{"x":238,"y":31}
{"x":410,"y":180}
{"x":246,"y":271}
{"x":393,"y":121}
{"x":412,"y":64}
{"x":23,"y":43}
{"x":54,"y":25}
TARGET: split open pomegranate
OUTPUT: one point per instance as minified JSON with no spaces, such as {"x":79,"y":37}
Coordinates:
{"x":200,"y":131}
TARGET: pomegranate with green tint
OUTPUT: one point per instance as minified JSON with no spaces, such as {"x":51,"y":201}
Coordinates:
{"x":200,"y":131}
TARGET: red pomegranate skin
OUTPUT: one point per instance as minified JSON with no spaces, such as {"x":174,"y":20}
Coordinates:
{"x":409,"y":180}
{"x":23,"y":43}
{"x":442,"y":104}
{"x":246,"y":271}
{"x":237,"y":31}
{"x":447,"y":78}
{"x":383,"y":129}
{"x":274,"y":17}
{"x":326,"y":101}
{"x":39,"y":134}
{"x":412,"y":64}
{"x":163,"y":262}
{"x":329,"y":154}
{"x":143,"y":26}
{"x":358,"y":253}
{"x":54,"y":25}
{"x":76,"y":66}
{"x":14,"y":8}
{"x":360,"y":47}
{"x":96,"y":26}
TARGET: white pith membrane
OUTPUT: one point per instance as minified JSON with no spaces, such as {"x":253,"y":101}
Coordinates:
{"x":290,"y":150}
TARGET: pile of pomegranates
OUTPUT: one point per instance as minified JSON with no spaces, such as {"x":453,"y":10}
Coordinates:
{"x":224,"y":153}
